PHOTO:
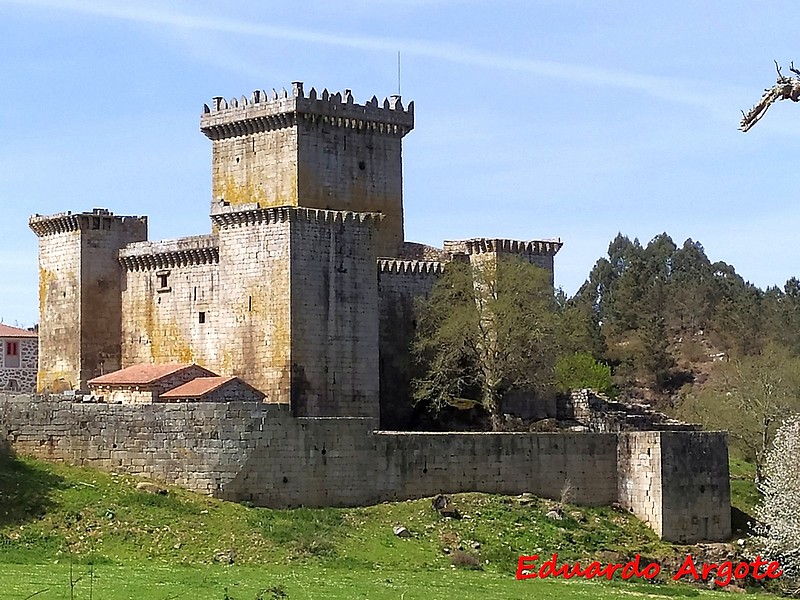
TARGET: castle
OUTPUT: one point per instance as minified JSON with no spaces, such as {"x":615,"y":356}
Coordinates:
{"x":303,"y":294}
{"x":304,"y":287}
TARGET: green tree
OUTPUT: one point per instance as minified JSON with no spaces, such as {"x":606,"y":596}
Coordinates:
{"x":750,"y":396}
{"x":486,"y":329}
{"x":580,"y":370}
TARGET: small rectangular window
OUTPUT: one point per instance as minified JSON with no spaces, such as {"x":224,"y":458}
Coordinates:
{"x":11,"y":358}
{"x":163,"y":281}
{"x":202,"y":317}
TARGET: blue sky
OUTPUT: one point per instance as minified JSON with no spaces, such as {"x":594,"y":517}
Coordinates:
{"x":534,"y":119}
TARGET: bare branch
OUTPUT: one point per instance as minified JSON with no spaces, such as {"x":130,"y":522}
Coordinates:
{"x":786,"y":88}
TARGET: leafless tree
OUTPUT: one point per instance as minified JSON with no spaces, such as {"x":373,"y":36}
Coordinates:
{"x":786,"y":88}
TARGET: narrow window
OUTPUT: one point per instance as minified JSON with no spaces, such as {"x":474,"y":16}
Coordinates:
{"x":163,"y":281}
{"x":195,"y":294}
{"x":202,"y":317}
{"x":250,"y":303}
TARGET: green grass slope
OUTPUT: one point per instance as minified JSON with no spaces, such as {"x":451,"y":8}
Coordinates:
{"x":59,"y":524}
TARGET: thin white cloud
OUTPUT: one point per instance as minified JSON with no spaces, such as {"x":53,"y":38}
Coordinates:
{"x":669,"y":89}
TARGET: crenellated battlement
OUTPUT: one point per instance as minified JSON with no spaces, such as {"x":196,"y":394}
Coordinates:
{"x":423,"y":267}
{"x":234,"y":216}
{"x":145,"y":256}
{"x":63,"y":222}
{"x":506,"y":246}
{"x":264,"y":112}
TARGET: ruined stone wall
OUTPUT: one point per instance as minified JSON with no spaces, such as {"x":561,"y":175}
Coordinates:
{"x":259,"y":452}
{"x":23,"y":377}
{"x":79,"y":294}
{"x":334,"y":320}
{"x":400,"y":284}
{"x":600,"y":414}
{"x":170,"y":303}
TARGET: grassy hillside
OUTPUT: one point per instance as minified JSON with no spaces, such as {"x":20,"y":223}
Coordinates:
{"x":60,"y":523}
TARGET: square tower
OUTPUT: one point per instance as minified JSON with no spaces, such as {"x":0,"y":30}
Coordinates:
{"x":314,"y":151}
{"x":80,"y":282}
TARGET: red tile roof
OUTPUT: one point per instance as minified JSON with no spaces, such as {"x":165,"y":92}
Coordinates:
{"x":197,"y":388}
{"x":9,"y":331}
{"x":142,"y":374}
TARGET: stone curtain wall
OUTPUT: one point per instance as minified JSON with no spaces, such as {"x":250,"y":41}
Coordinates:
{"x":582,"y":467}
{"x":162,"y":324}
{"x":695,"y":483}
{"x":400,"y":284}
{"x":197,"y":446}
{"x":23,"y":378}
{"x":259,"y":452}
{"x":639,"y":481}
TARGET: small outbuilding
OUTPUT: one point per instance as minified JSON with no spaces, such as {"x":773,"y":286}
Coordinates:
{"x":213,"y":389}
{"x":145,"y":384}
{"x":19,"y":359}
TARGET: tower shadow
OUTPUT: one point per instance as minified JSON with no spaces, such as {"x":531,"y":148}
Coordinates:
{"x":25,"y":490}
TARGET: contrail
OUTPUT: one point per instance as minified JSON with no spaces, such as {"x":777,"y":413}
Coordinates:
{"x":669,"y":89}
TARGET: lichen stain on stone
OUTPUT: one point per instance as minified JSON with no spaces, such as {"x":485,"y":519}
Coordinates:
{"x":46,"y":281}
{"x":236,"y":193}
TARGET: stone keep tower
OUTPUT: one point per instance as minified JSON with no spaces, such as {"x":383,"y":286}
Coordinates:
{"x":80,"y":284}
{"x":315,"y":151}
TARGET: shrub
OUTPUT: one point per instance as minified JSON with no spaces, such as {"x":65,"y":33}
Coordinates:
{"x":580,"y":370}
{"x":465,"y":560}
